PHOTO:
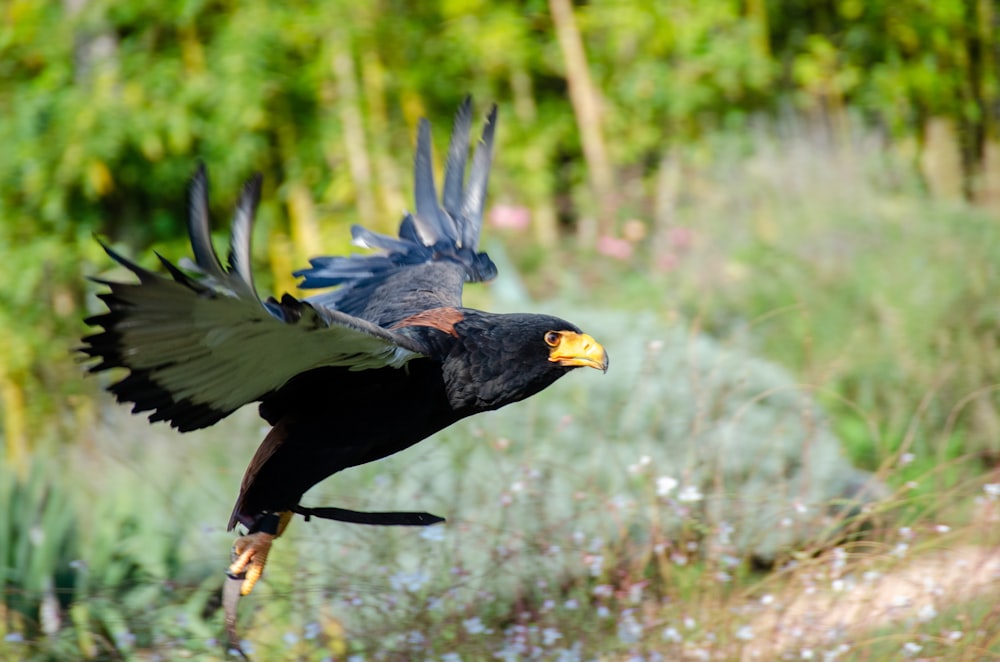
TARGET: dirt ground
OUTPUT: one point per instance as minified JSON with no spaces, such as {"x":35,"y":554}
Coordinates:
{"x":865,"y":599}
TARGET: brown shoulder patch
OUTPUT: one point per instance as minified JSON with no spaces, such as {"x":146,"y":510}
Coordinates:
{"x":442,"y":319}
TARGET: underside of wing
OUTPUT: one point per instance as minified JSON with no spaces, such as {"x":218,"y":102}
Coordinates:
{"x":437,"y":247}
{"x":198,"y":347}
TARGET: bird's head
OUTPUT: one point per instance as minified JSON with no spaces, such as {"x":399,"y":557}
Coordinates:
{"x":547,"y":344}
{"x":571,"y":348}
{"x":507,"y":358}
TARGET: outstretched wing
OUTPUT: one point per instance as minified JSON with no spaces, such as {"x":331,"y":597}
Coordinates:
{"x":436,"y":251}
{"x":198,"y":348}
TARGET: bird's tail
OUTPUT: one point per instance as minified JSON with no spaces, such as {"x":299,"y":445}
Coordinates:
{"x":448,"y":230}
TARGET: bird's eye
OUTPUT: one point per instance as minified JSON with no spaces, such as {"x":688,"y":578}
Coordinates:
{"x":551,"y":338}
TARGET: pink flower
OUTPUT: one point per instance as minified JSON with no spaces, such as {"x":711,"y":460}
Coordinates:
{"x":510,"y":217}
{"x":620,"y":249}
{"x":680,"y":237}
{"x":667,"y":262}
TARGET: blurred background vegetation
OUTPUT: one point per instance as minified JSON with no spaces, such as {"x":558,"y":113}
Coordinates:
{"x":820,"y":179}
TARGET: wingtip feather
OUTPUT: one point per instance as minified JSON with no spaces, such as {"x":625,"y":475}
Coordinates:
{"x":430,"y":220}
{"x":241,"y":232}
{"x":479,"y":175}
{"x":199,"y":226}
{"x":458,"y":152}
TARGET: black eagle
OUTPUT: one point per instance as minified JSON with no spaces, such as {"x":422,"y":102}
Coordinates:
{"x":349,"y":376}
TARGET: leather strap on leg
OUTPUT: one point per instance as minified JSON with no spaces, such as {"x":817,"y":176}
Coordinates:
{"x":374,"y":519}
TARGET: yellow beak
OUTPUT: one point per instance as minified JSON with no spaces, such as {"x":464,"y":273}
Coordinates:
{"x":578,"y":349}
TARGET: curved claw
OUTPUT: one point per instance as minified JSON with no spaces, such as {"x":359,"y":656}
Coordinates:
{"x":249,"y":557}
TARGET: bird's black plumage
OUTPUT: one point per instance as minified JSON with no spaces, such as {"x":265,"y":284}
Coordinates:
{"x":350,"y":375}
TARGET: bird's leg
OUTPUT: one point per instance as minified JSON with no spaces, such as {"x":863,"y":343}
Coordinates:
{"x":250,"y":551}
{"x":249,"y":556}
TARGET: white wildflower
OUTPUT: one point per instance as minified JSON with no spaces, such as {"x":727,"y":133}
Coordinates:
{"x":665,"y":485}
{"x":435,"y":533}
{"x":620,"y":502}
{"x":900,"y":601}
{"x":474,"y":625}
{"x":569,"y":654}
{"x":629,"y":629}
{"x":644,"y":461}
{"x":507,"y":654}
{"x":408,"y":581}
{"x":671,"y":634}
{"x":690,"y":493}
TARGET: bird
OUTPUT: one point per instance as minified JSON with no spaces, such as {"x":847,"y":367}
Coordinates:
{"x":382,"y":357}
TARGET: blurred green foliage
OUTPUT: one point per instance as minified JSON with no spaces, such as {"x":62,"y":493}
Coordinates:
{"x":105,"y":107}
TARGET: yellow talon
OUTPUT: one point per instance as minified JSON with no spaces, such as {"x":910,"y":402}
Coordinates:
{"x":250,"y":554}
{"x":249,"y":557}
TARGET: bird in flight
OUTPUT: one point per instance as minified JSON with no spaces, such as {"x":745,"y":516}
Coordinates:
{"x":353,"y":374}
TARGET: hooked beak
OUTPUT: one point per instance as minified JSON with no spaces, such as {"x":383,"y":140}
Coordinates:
{"x":578,"y":350}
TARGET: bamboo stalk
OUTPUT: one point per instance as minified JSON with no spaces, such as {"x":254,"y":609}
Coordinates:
{"x":349,"y":103}
{"x":281,"y":262}
{"x":757,"y":13}
{"x":540,"y":195}
{"x":303,"y":224}
{"x":587,"y":110}
{"x":388,"y":179}
{"x":15,"y":424}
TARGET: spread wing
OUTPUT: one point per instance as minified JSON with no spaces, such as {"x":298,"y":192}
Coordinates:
{"x":436,"y":251}
{"x":199,"y":347}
